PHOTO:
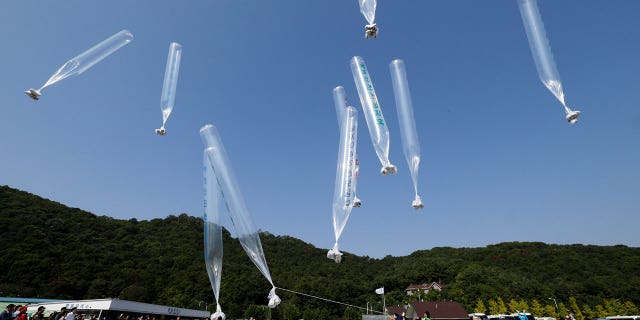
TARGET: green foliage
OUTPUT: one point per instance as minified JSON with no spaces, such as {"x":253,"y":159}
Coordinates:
{"x":573,"y":304}
{"x":62,"y":252}
{"x":536,"y":308}
{"x":257,"y":312}
{"x":497,"y":306}
{"x":480,"y":307}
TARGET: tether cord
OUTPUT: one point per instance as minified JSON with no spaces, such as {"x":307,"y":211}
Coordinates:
{"x":328,"y":300}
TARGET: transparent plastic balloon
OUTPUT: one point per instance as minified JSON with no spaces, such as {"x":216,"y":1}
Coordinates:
{"x":85,"y":60}
{"x":541,"y":51}
{"x":408,"y":133}
{"x":170,"y":84}
{"x":373,"y":113}
{"x":345,"y":185}
{"x":240,"y":217}
{"x":213,"y":248}
{"x":340,"y":102}
{"x":368,"y":10}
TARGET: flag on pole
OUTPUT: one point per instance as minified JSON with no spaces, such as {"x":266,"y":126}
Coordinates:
{"x":380,"y":290}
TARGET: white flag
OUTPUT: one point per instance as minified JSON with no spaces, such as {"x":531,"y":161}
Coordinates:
{"x":380,"y":290}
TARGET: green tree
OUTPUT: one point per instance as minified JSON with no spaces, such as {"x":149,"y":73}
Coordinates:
{"x":573,"y":304}
{"x":563,"y":310}
{"x":549,"y":311}
{"x":501,"y":305}
{"x":288,"y":311}
{"x":630,"y":308}
{"x":588,"y":312}
{"x":497,"y":306}
{"x":256,"y":311}
{"x":612,"y":306}
{"x":480,"y":307}
{"x":535,"y":308}
{"x":601,"y":311}
{"x":517,"y":305}
{"x":352,"y":314}
{"x":513,"y":306}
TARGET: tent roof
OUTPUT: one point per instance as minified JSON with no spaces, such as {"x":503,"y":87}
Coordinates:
{"x":122,"y":305}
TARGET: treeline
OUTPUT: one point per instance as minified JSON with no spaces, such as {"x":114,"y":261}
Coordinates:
{"x":558,"y":309}
{"x":53,"y":251}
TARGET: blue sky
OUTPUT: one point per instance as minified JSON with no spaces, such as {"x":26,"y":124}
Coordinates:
{"x":499,"y":162}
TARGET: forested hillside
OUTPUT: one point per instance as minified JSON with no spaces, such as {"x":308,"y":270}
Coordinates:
{"x":53,"y":251}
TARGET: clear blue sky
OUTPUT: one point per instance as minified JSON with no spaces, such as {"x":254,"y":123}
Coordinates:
{"x":499,"y":161}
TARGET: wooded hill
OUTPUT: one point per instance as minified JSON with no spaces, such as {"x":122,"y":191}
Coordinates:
{"x":52,"y":251}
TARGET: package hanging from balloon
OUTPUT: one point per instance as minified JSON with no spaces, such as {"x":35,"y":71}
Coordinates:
{"x":218,"y":314}
{"x":274,"y":300}
{"x":85,"y":60}
{"x":368,"y":10}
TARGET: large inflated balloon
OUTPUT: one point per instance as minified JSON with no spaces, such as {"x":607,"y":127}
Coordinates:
{"x":408,"y":133}
{"x":372,"y":113}
{"x":345,"y":185}
{"x":340,"y":102}
{"x":541,"y":51}
{"x":213,"y":207}
{"x":242,"y":222}
{"x":85,"y":60}
{"x":170,"y":84}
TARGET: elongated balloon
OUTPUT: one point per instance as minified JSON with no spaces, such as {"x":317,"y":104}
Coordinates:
{"x":372,"y":113}
{"x":213,"y":207}
{"x":340,"y":102}
{"x":240,"y":217}
{"x":345,"y":186}
{"x":85,"y":60}
{"x":368,"y":9}
{"x":408,"y":133}
{"x":541,"y":51}
{"x":170,"y":84}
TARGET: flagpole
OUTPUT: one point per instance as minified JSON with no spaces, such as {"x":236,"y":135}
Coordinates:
{"x":384,"y":305}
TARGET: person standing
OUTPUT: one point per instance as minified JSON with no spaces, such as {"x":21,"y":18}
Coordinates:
{"x":22,"y":313}
{"x":16,"y":311}
{"x":72,"y":314}
{"x":7,"y":314}
{"x":39,"y":315}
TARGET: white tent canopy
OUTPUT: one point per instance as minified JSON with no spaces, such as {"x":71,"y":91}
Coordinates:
{"x":121,"y":305}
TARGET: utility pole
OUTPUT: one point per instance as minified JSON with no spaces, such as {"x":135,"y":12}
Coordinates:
{"x":384,"y":305}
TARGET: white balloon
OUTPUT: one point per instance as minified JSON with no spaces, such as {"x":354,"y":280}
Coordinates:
{"x":85,"y":60}
{"x":372,"y":113}
{"x":213,"y":248}
{"x":408,"y":133}
{"x":170,"y":84}
{"x":340,"y":102}
{"x":541,"y":51}
{"x":345,"y":185}
{"x":240,"y":217}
